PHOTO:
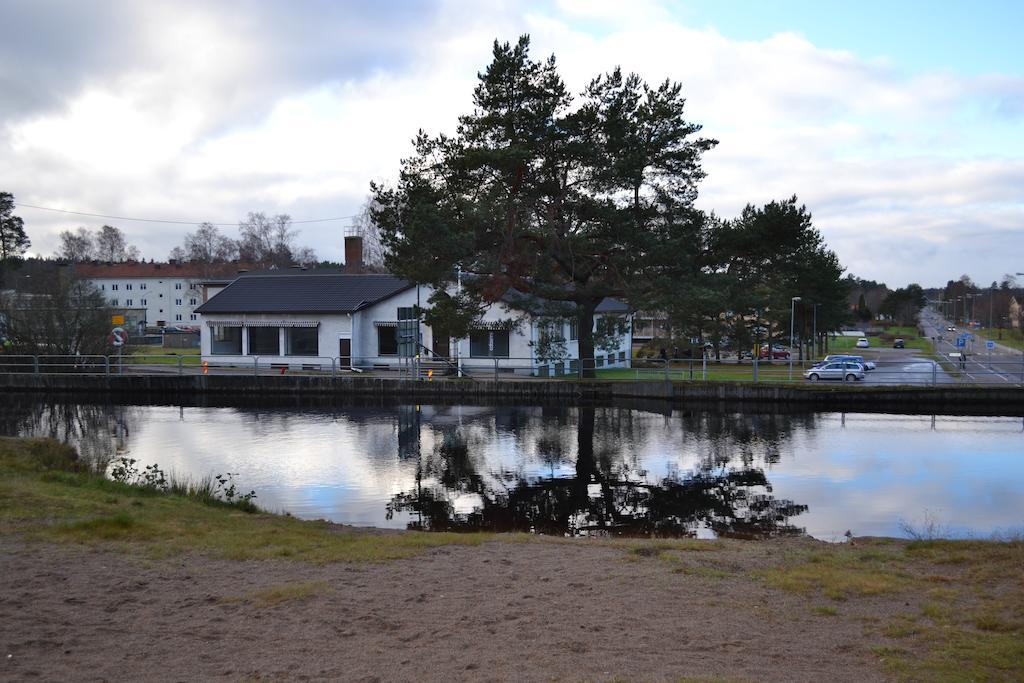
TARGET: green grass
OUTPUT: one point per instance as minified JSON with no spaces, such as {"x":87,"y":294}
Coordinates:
{"x":47,"y":494}
{"x":158,"y":355}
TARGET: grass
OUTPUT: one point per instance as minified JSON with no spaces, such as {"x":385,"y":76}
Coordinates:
{"x":1011,"y":338}
{"x":964,"y":617}
{"x":286,"y":592}
{"x":158,"y":355}
{"x":47,"y":494}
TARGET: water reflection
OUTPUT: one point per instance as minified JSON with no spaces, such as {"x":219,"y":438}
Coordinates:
{"x":606,"y":491}
{"x":560,"y":470}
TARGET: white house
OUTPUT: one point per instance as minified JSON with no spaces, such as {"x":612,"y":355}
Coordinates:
{"x":367,"y":320}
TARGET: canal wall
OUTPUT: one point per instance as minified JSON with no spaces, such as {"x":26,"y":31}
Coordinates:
{"x":812,"y":396}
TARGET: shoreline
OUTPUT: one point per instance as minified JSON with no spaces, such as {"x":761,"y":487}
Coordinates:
{"x":119,"y":580}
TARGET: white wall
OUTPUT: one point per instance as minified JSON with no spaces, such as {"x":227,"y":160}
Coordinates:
{"x":332,"y":327}
{"x":160,"y":295}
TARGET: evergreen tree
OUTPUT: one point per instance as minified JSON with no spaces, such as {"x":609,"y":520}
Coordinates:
{"x":564,"y":204}
{"x":13,"y":240}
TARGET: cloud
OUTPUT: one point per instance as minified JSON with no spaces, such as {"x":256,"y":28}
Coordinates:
{"x":205,"y":111}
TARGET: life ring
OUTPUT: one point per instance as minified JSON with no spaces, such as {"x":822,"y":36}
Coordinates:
{"x":118,"y":337}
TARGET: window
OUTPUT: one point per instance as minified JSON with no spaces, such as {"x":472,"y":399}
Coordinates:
{"x":193,"y":317}
{"x":161,"y":296}
{"x":128,"y":287}
{"x":406,"y":312}
{"x":302,"y":341}
{"x":191,"y":302}
{"x":177,"y":285}
{"x":177,"y":302}
{"x":116,"y":302}
{"x":550,"y":332}
{"x":142,"y":286}
{"x":387,"y":341}
{"x":103,"y":288}
{"x":177,"y":317}
{"x":488,"y":343}
{"x":143,"y":302}
{"x":128,"y":302}
{"x":113,"y":288}
{"x":574,"y":329}
{"x":264,"y":341}
{"x":226,"y":340}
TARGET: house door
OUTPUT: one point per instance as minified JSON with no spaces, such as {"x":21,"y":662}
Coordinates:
{"x":441,"y":347}
{"x":345,"y":353}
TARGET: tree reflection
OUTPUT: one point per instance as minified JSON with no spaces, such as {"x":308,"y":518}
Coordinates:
{"x":98,"y":431}
{"x":607,"y":494}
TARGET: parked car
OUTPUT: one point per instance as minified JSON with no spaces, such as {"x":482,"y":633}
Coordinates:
{"x":846,"y":371}
{"x":950,"y":329}
{"x":899,"y":344}
{"x":862,"y":343}
{"x":778,"y":352}
{"x":841,"y":357}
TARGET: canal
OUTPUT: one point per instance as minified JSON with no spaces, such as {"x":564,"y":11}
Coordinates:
{"x":564,"y":470}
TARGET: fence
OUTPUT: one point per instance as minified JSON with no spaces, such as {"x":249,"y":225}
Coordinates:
{"x":923,"y":371}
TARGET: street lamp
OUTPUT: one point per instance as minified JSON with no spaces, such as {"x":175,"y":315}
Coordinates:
{"x":814,"y":334}
{"x":792,"y":316}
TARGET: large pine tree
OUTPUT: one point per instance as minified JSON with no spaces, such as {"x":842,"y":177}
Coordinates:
{"x":566,"y":202}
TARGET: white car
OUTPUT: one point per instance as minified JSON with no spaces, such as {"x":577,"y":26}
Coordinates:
{"x":845,"y":371}
{"x":862,"y":343}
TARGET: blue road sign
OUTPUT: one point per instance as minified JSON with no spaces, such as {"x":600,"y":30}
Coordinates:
{"x":961,"y":342}
{"x":990,"y":344}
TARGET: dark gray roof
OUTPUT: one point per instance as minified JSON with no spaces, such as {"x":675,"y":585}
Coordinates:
{"x":610,"y":305}
{"x":306,"y":292}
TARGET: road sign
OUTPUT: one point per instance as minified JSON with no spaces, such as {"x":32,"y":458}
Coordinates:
{"x":118,"y":337}
{"x":961,"y":342}
{"x":990,"y":345}
{"x":117,"y":320}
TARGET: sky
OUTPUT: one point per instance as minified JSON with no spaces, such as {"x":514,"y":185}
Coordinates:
{"x":899,"y":125}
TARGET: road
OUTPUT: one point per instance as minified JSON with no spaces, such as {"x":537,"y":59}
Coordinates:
{"x":1001,"y":365}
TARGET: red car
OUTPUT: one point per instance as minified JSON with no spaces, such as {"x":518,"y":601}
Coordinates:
{"x":777,"y":353}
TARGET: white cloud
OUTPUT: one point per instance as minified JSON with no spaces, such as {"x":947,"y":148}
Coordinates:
{"x":219,"y":114}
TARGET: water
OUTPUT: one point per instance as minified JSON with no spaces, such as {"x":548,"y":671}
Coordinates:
{"x":566,"y":470}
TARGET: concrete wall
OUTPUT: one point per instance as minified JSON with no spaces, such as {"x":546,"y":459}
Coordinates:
{"x":992,"y":400}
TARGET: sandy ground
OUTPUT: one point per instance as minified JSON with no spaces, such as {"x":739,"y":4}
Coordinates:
{"x":532,"y":611}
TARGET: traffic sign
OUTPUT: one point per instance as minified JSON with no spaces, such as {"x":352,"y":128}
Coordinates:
{"x":961,"y":342}
{"x":117,"y":320}
{"x":990,"y":345}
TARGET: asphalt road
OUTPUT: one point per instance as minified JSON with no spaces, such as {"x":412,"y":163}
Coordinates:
{"x":1002,"y":365}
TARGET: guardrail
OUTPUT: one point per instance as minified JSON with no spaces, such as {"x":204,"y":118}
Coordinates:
{"x":933,"y":370}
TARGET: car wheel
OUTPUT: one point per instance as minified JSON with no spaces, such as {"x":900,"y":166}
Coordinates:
{"x":813,"y":377}
{"x":851,"y":378}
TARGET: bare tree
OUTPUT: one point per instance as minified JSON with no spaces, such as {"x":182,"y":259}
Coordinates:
{"x":178,"y":254}
{"x":270,"y":241}
{"x":373,"y":247}
{"x":207,"y":245}
{"x":110,"y":245}
{"x":66,"y":317}
{"x":76,"y":246}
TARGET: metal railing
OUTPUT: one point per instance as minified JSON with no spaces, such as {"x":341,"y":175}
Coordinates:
{"x":924,"y":370}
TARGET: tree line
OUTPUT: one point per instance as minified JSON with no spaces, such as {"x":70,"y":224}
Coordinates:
{"x":265,"y":241}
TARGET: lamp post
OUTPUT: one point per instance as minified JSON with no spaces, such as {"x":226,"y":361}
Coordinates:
{"x":792,"y":316}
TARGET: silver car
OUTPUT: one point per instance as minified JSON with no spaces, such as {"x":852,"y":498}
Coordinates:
{"x":837,"y":357}
{"x":846,"y":371}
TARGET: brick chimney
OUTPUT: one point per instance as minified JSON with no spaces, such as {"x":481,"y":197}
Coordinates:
{"x":353,"y":253}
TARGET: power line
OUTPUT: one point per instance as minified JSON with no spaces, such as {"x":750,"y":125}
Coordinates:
{"x":160,"y":220}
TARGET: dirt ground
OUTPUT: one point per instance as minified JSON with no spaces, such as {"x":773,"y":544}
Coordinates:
{"x":533,"y":611}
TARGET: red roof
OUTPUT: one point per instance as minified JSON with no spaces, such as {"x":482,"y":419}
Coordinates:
{"x":133,"y":269}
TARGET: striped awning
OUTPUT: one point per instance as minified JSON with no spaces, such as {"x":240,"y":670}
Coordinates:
{"x":263,"y":323}
{"x":492,"y":326}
